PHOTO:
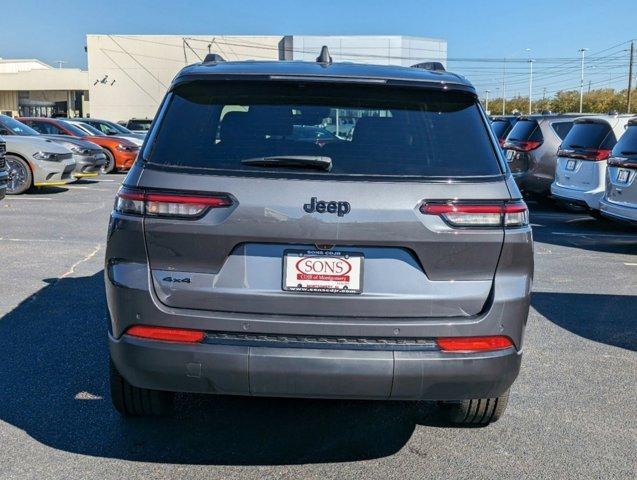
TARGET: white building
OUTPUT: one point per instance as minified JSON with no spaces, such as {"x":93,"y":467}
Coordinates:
{"x":128,"y":74}
{"x":29,"y":87}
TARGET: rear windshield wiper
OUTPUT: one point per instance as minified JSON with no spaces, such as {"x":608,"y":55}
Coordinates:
{"x":629,"y":152}
{"x":293,"y":161}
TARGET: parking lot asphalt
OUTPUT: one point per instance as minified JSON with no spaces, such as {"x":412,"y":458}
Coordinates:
{"x":572,"y":412}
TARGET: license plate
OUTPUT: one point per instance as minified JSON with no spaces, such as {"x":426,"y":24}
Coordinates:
{"x":322,"y":271}
{"x":510,"y":155}
{"x":570,"y":165}
{"x":622,"y":176}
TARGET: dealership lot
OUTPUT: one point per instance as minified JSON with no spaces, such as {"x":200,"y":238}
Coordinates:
{"x":572,"y":411}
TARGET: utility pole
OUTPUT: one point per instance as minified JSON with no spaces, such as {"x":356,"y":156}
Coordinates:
{"x":504,"y":86}
{"x":486,"y":106}
{"x":530,"y":86}
{"x":581,"y":83}
{"x":630,"y":75}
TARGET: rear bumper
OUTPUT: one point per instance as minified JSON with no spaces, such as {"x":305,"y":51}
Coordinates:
{"x":4,"y":176}
{"x":615,"y":211}
{"x":585,"y":198}
{"x":313,"y":373}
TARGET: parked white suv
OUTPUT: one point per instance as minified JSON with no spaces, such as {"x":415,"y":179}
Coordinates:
{"x":580,"y":175}
{"x":36,"y":162}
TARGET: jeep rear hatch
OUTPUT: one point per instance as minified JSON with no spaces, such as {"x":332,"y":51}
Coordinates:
{"x":413,"y":202}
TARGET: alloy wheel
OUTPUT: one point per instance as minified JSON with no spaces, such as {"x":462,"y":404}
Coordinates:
{"x":18,"y":175}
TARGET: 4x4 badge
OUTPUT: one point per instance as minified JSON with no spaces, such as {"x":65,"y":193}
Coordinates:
{"x":321,"y":206}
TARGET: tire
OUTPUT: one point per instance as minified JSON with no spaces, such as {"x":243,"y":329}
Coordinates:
{"x":109,"y":166}
{"x":20,"y":176}
{"x":476,"y":412}
{"x":597,"y":215}
{"x":132,"y":401}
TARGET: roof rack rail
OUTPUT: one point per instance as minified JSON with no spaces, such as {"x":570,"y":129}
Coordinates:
{"x":324,"y":56}
{"x":433,"y":66}
{"x":213,"y":58}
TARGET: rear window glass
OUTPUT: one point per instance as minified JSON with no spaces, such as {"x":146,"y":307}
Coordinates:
{"x":562,"y":129}
{"x":627,"y":144}
{"x":590,"y":135}
{"x":364,"y":130}
{"x":501,"y":128}
{"x":526,"y":130}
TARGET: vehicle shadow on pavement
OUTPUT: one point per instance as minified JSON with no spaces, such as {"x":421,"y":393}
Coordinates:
{"x":35,"y":191}
{"x":609,"y":319}
{"x":54,"y":374}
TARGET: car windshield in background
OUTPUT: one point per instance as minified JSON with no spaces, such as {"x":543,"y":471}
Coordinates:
{"x":389,"y":131}
{"x":119,"y":128}
{"x":17,"y":128}
{"x":627,"y":144}
{"x":500,"y":128}
{"x":139,"y":124}
{"x":590,"y":135}
{"x":77,"y":131}
{"x":88,"y":129}
{"x":525,"y":130}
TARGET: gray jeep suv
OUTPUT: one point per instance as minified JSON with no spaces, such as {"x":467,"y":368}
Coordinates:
{"x":395,"y":264}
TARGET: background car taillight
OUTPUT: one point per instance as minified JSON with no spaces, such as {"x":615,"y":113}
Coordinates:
{"x":522,"y":146}
{"x":137,"y":202}
{"x":462,"y":214}
{"x":595,"y":154}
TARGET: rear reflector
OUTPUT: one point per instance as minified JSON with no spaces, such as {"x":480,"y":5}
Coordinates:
{"x":166,"y":334}
{"x":457,"y":214}
{"x":137,"y":202}
{"x":474,"y":344}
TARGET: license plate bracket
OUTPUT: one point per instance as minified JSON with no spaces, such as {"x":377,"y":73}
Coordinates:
{"x":570,"y":165}
{"x":322,"y":271}
{"x":622,"y":175}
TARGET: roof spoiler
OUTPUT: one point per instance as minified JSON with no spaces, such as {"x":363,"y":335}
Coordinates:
{"x":433,"y":66}
{"x":213,"y":58}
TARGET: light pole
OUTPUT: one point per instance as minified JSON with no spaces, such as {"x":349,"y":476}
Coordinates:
{"x":486,"y":106}
{"x":530,"y":86}
{"x":504,"y":87}
{"x":581,"y":84}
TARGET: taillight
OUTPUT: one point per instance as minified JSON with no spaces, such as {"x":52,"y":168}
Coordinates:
{"x":136,"y":202}
{"x":464,"y":214}
{"x":595,"y":154}
{"x":474,"y":344}
{"x":166,"y":334}
{"x":522,"y":146}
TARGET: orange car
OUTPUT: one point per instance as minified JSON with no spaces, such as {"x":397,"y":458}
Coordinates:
{"x":120,"y":152}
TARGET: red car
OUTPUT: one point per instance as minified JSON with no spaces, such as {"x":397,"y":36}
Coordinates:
{"x":120,"y":153}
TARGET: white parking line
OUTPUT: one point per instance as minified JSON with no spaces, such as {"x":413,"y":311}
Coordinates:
{"x":585,"y":234}
{"x":27,"y":198}
{"x":630,"y":264}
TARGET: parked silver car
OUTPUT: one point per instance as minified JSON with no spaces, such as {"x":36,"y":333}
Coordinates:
{"x":36,"y":162}
{"x":531,"y":149}
{"x":580,"y":175}
{"x":89,"y":158}
{"x":620,"y":199}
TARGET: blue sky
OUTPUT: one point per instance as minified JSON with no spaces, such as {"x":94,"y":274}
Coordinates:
{"x":55,"y":30}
